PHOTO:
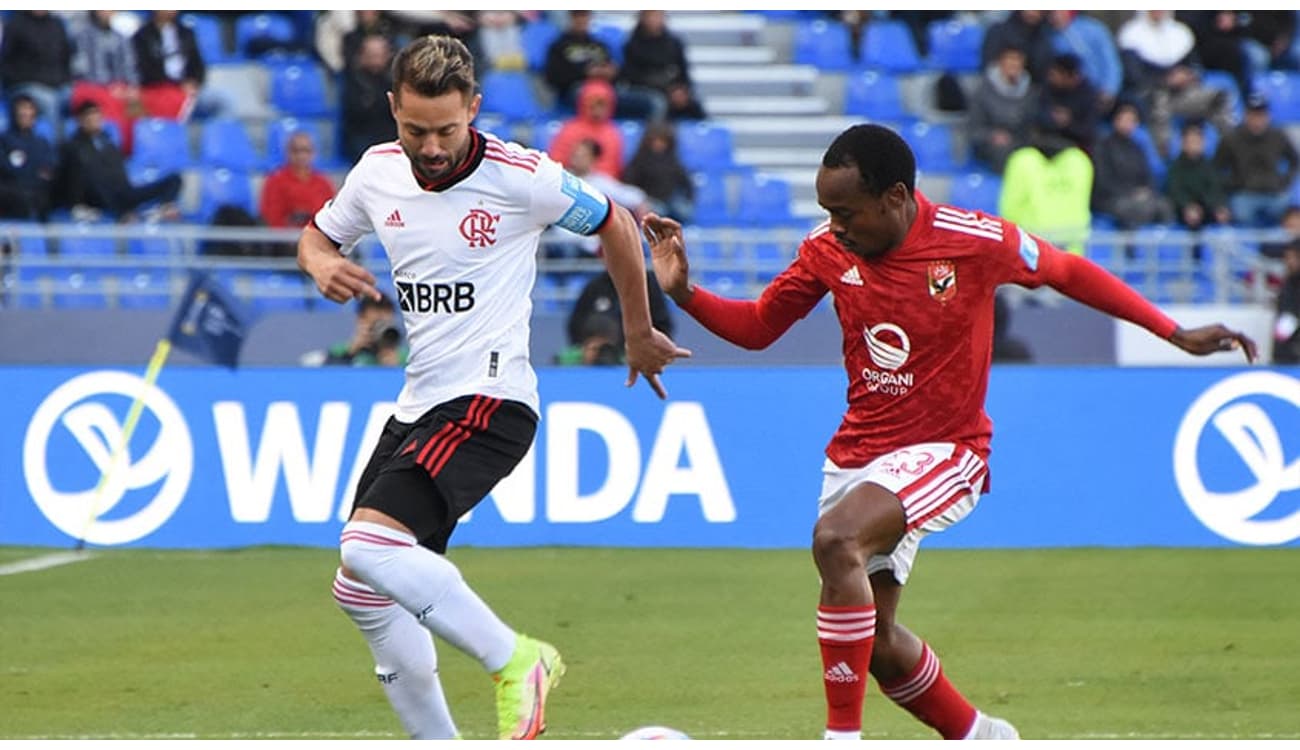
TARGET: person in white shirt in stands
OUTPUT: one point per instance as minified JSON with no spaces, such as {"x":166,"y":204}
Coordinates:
{"x":459,"y":213}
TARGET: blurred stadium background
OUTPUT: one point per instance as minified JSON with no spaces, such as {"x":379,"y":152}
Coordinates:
{"x":1092,"y":641}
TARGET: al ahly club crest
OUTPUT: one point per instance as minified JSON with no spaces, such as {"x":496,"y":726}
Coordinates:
{"x":943,"y":280}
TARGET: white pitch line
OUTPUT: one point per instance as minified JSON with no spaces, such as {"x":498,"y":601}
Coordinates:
{"x":52,"y":560}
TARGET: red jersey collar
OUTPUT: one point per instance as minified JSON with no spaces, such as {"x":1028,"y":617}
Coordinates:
{"x":922,"y":220}
{"x":477,"y":148}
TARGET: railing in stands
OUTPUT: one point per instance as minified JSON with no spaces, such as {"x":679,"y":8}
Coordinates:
{"x":141,"y":265}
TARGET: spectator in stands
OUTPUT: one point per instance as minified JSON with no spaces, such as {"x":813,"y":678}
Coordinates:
{"x":581,"y":162}
{"x":36,"y":60}
{"x":92,"y":174}
{"x":1125,"y":188}
{"x":339,"y":34}
{"x":27,"y":164}
{"x":1159,"y":57}
{"x":104,"y":69}
{"x":293,"y":193}
{"x":1047,"y":187}
{"x":1286,"y":325}
{"x":1068,"y":102}
{"x":501,"y":40}
{"x":1194,"y":184}
{"x":1274,"y":32}
{"x":367,"y":116}
{"x":654,"y":61}
{"x":1291,"y":226}
{"x":172,"y":70}
{"x":598,"y":302}
{"x":596,"y":344}
{"x":1002,"y":109}
{"x":577,"y":56}
{"x":376,"y":339}
{"x":592,"y":123}
{"x":1259,"y":164}
{"x":682,"y":103}
{"x":657,"y":169}
{"x":1076,"y":33}
{"x":1221,"y":43}
{"x":1025,"y":30}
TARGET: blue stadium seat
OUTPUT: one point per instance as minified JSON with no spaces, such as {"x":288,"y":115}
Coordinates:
{"x":764,"y":201}
{"x":632,"y":132}
{"x":208,"y":36}
{"x":955,"y":46}
{"x":493,"y":123}
{"x":143,"y":288}
{"x":85,"y":242}
{"x":977,"y":191}
{"x":823,"y":44}
{"x":537,"y":38}
{"x":1102,"y":253}
{"x":875,"y":95}
{"x":154,"y":244}
{"x":704,"y":146}
{"x":1167,"y":248}
{"x":299,"y":90}
{"x":509,"y":93}
{"x":218,"y":187}
{"x":726,"y":283}
{"x":224,"y":142}
{"x":32,"y":245}
{"x":1283,"y":92}
{"x":139,"y":174}
{"x":612,"y":36}
{"x":933,"y":146}
{"x":546,"y":295}
{"x":78,"y":289}
{"x":1148,"y":145}
{"x":277,"y":138}
{"x":544,"y":133}
{"x":160,"y":143}
{"x":711,"y":204}
{"x":261,"y":30}
{"x":888,"y":45}
{"x":277,"y":290}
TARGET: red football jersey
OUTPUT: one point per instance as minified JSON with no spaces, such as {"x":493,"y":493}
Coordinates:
{"x":918,"y":322}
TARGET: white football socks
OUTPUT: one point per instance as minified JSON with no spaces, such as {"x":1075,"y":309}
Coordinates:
{"x":428,"y":586}
{"x":405,"y":661}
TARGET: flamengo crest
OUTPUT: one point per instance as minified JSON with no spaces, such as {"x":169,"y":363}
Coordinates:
{"x":479,"y":228}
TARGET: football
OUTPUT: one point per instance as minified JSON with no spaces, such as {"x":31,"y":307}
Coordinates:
{"x":654,"y":733}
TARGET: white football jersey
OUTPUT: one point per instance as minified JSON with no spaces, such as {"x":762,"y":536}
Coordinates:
{"x":464,"y":259}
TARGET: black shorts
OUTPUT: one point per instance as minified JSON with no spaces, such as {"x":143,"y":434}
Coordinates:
{"x":430,"y":472}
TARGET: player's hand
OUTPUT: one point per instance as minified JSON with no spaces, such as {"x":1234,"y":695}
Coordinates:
{"x":1216,"y":338}
{"x":648,"y":354}
{"x":340,"y":279}
{"x":668,"y":255}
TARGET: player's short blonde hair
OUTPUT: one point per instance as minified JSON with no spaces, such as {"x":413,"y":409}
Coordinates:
{"x":434,"y":65}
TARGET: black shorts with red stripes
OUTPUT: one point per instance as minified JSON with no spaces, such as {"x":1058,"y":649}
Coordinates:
{"x":430,"y":472}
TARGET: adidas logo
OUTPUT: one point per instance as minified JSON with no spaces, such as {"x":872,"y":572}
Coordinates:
{"x":841,"y":672}
{"x":394,"y":220}
{"x":852,"y":277}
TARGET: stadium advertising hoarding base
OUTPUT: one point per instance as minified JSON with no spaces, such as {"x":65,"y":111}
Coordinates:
{"x":1082,"y":456}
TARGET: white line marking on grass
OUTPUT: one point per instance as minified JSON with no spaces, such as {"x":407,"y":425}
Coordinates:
{"x":608,"y":735}
{"x":52,"y":560}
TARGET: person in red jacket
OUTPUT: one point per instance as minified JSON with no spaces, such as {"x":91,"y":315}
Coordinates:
{"x":596,"y":102}
{"x":295,"y":192}
{"x":913,"y":283}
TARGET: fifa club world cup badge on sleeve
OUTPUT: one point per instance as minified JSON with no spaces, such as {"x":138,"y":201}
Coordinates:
{"x":943,"y":280}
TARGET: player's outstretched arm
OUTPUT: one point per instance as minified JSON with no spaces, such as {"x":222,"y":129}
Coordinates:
{"x":1214,"y":338}
{"x":668,"y":255}
{"x":338,"y":278}
{"x":649,"y":351}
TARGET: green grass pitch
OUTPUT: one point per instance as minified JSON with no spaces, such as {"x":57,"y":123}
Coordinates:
{"x":1094,"y":643}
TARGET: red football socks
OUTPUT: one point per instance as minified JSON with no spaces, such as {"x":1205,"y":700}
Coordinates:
{"x":845,"y":635}
{"x":928,"y":696}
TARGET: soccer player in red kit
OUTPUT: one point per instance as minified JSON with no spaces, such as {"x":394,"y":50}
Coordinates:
{"x":913,"y":285}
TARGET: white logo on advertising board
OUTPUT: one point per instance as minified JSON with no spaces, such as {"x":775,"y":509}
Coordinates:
{"x":1251,"y":433}
{"x":170,"y":459}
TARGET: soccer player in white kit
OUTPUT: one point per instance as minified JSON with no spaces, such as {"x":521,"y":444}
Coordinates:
{"x":459,"y":213}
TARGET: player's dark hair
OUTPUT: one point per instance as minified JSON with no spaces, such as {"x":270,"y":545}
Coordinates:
{"x":434,"y":65}
{"x":370,"y":303}
{"x":882,"y":157}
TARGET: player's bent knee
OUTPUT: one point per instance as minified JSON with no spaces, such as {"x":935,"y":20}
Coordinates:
{"x":835,"y":549}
